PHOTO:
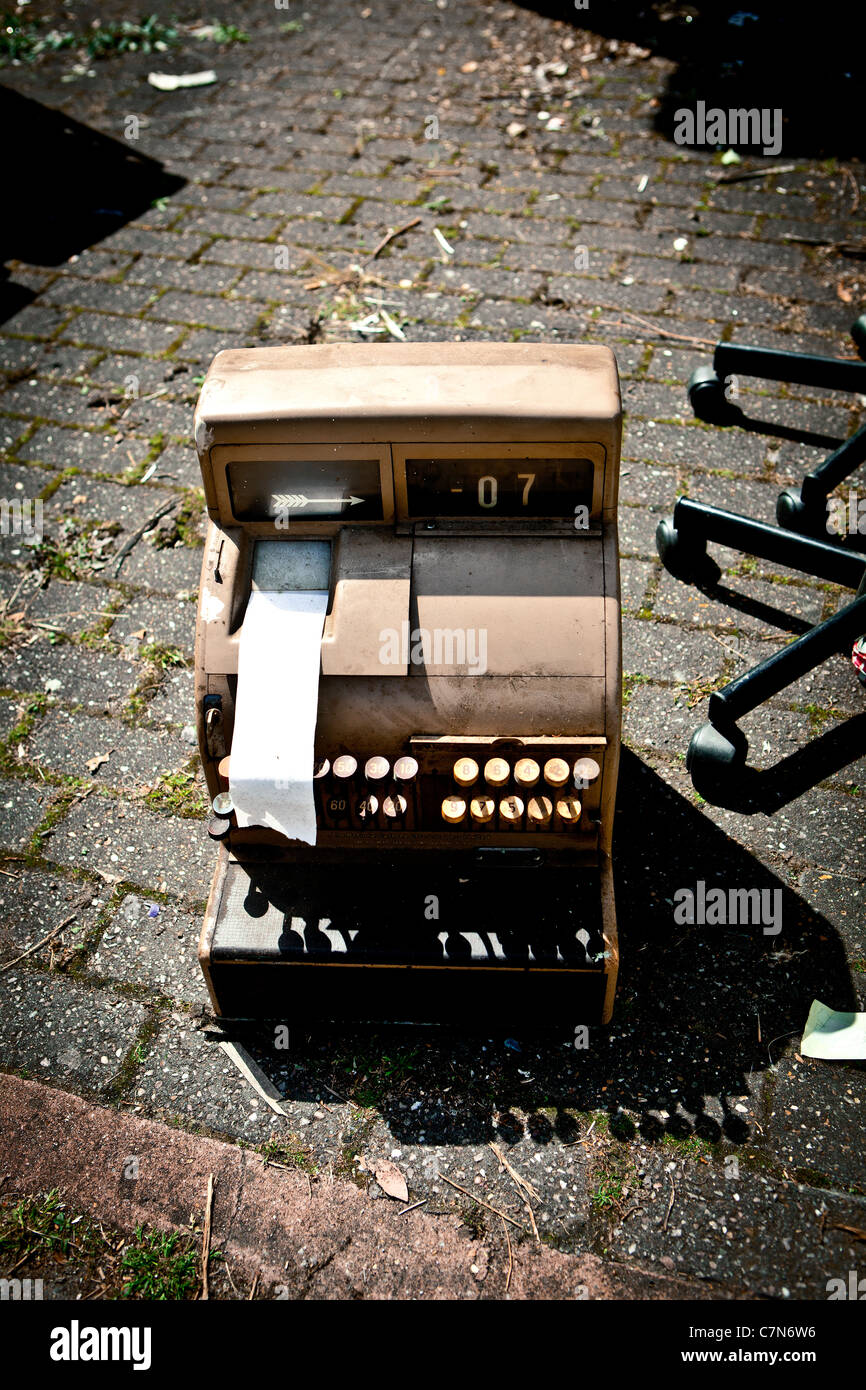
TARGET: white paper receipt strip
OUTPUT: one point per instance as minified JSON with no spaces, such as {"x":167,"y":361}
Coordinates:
{"x":271,"y":769}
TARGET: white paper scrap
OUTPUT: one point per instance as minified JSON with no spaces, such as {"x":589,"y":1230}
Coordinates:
{"x":172,"y":82}
{"x":832,"y":1036}
{"x":271,"y":768}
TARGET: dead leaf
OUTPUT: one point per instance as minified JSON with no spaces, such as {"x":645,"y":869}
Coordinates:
{"x":391,"y":1180}
{"x":140,"y":634}
{"x":844,"y":294}
{"x":94,"y":764}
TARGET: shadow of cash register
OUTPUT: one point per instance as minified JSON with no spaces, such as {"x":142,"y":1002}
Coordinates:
{"x":453,"y":507}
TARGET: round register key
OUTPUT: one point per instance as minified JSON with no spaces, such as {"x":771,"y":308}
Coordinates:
{"x":481,"y":809}
{"x":539,"y":812}
{"x":556,"y":772}
{"x":376,"y":770}
{"x":465,"y":772}
{"x":496,"y":772}
{"x":586,"y":771}
{"x":527,"y":773}
{"x":453,"y":810}
{"x":395,"y":807}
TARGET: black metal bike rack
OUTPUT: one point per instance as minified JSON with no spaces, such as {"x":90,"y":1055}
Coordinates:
{"x":804,"y":511}
{"x":718,"y":751}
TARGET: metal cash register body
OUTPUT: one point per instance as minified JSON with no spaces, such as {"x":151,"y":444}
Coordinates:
{"x":458,"y":503}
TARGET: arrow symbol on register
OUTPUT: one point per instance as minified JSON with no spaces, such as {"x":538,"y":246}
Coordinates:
{"x":294,"y":501}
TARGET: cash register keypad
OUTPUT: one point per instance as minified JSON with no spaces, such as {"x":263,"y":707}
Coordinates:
{"x":470,"y":792}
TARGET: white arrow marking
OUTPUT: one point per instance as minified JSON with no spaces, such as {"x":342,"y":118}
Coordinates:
{"x":294,"y":501}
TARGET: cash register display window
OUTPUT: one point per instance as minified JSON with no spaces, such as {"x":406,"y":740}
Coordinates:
{"x":534,"y":487}
{"x":336,"y":490}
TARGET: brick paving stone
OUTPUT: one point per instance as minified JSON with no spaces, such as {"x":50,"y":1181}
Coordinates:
{"x":126,"y":374}
{"x":200,"y":277}
{"x":169,"y":570}
{"x":658,"y":717}
{"x":841,"y":900}
{"x":634,"y":577}
{"x":169,"y":622}
{"x":96,"y":679}
{"x":651,"y":649}
{"x":22,"y":482}
{"x":125,"y":298}
{"x":34,"y":902}
{"x":52,"y":1028}
{"x":637,"y":530}
{"x":110,"y":503}
{"x":65,"y":743}
{"x":653,"y":487}
{"x":178,"y":464}
{"x":752,"y":1230}
{"x":118,"y":333}
{"x":127,"y":843}
{"x":71,"y":608}
{"x":206,"y":310}
{"x":157,"y":952}
{"x":816,"y":1119}
{"x":22,"y":809}
{"x":826,"y":831}
{"x":174,"y":702}
{"x":82,"y":449}
{"x":32,"y":399}
{"x":161,"y":417}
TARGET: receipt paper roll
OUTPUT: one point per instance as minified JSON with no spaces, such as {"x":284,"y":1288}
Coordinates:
{"x":271,"y":768}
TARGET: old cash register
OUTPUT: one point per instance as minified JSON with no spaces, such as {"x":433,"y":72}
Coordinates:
{"x":408,"y":680}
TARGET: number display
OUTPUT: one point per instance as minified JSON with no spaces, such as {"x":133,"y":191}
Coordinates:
{"x":498,"y":487}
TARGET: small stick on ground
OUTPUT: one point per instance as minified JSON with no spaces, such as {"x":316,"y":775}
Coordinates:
{"x":136,"y":536}
{"x":670,"y":1203}
{"x":414,"y":1207}
{"x":486,"y":1205}
{"x":205,"y":1240}
{"x":532,"y":1221}
{"x":398,"y":231}
{"x":510,"y":1258}
{"x":254,"y":1287}
{"x":659,"y":332}
{"x":520,"y":1182}
{"x":733,"y":651}
{"x":756,"y":173}
{"x":30,"y":949}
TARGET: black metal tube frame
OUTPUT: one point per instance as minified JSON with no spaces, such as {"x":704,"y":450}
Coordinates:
{"x":803,"y":368}
{"x":703,"y":522}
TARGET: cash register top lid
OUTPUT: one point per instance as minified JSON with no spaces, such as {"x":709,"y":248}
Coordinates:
{"x":417,"y":386}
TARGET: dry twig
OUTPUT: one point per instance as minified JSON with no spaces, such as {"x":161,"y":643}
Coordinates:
{"x":39,"y":944}
{"x":486,"y":1205}
{"x":510,"y":1258}
{"x":205,"y":1240}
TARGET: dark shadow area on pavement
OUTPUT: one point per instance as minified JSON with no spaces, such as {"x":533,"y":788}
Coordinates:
{"x":701,"y":1011}
{"x":67,"y":187}
{"x":766,"y":55}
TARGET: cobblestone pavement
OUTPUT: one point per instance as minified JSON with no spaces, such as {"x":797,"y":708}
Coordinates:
{"x":691,"y":1136}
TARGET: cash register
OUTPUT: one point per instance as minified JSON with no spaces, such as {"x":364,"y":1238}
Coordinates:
{"x":410,"y":602}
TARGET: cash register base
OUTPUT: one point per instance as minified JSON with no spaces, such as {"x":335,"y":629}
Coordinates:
{"x":443,"y":939}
